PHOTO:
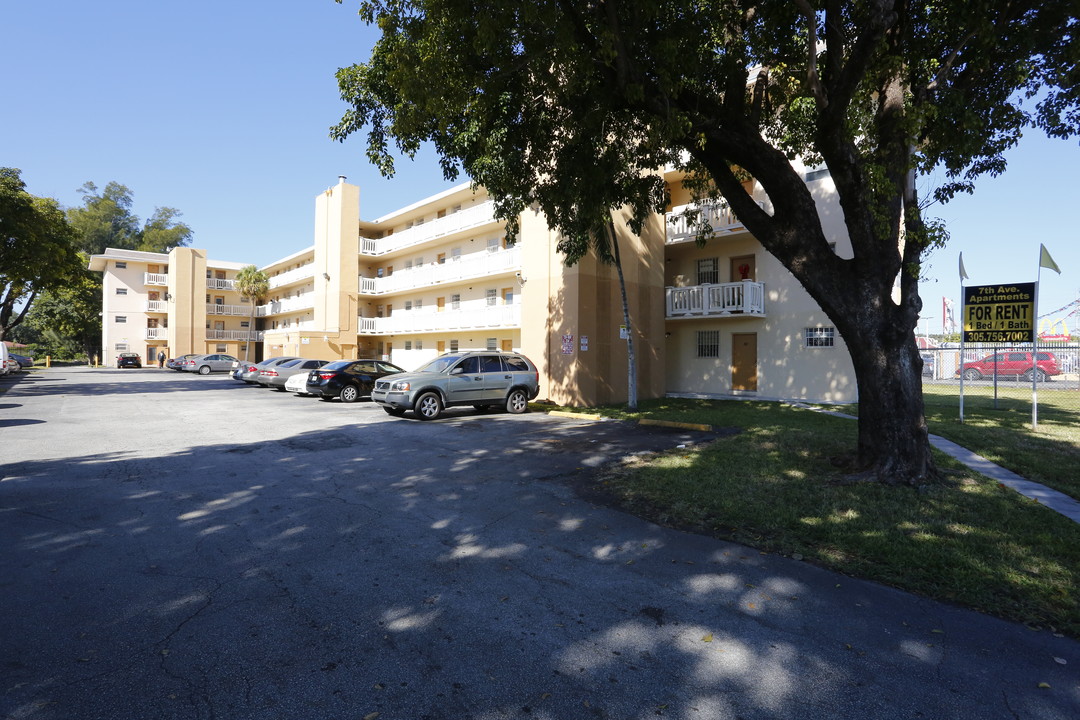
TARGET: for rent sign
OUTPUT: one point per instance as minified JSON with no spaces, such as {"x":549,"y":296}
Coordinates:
{"x":999,"y":313}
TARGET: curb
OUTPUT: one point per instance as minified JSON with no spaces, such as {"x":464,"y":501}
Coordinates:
{"x":577,"y":416}
{"x":679,"y":425}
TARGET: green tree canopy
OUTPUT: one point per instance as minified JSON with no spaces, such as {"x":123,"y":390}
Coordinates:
{"x":37,"y":249}
{"x":253,"y":285}
{"x":106,"y":220}
{"x":572,"y":107}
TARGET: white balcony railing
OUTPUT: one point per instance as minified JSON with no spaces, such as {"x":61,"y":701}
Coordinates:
{"x":473,"y":265}
{"x":215,"y":309}
{"x":737,"y":298}
{"x":159,"y":306}
{"x":234,"y":335}
{"x":156,"y":333}
{"x":303,"y":272}
{"x":220,"y":284}
{"x":467,"y":219}
{"x":155,"y":279}
{"x":288,"y":305}
{"x":717,"y":213}
{"x":499,"y":316}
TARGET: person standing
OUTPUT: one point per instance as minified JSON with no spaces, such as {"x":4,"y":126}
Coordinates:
{"x":161,"y":359}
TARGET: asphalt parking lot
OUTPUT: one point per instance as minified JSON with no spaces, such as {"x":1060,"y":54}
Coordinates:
{"x":177,"y":546}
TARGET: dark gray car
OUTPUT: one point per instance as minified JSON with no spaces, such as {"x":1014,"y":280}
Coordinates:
{"x":206,"y":364}
{"x":249,"y":371}
{"x":482,"y":379}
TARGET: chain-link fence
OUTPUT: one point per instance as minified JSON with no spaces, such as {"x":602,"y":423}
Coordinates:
{"x":1001,"y":377}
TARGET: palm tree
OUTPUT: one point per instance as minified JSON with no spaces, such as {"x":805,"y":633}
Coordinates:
{"x":253,"y":285}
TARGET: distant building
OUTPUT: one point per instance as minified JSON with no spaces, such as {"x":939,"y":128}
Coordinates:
{"x":438,"y":276}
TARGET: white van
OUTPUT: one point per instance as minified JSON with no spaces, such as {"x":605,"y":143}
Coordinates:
{"x":3,"y":358}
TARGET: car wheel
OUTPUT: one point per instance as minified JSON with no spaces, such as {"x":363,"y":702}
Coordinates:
{"x":396,"y":412}
{"x":428,"y":406}
{"x":204,"y":370}
{"x":349,"y":393}
{"x":517,"y":402}
{"x":1040,"y":376}
{"x":972,"y":374}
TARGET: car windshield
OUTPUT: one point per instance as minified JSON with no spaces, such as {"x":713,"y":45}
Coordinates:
{"x":439,"y":364}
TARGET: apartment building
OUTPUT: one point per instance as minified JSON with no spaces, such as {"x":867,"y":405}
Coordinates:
{"x":176,"y":302}
{"x":438,"y":276}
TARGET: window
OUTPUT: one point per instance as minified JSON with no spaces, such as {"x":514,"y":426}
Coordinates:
{"x":491,"y":364}
{"x":508,"y":296}
{"x":453,"y":346}
{"x":418,"y":305}
{"x":222,"y":348}
{"x":820,"y":337}
{"x":121,"y":291}
{"x":420,"y":261}
{"x":441,"y":258}
{"x":708,"y":271}
{"x":455,"y":254}
{"x":708,"y":343}
{"x":408,"y":305}
{"x":408,"y":344}
{"x":492,"y":244}
{"x":245,"y":323}
{"x":492,"y":296}
{"x":121,"y":266}
{"x":408,"y":264}
{"x":455,"y":302}
{"x":493,"y":343}
{"x":816,"y":174}
{"x":121,"y":318}
{"x":120,"y":347}
{"x":419,"y":344}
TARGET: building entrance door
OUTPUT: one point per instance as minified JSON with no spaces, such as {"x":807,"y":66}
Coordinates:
{"x":744,"y":361}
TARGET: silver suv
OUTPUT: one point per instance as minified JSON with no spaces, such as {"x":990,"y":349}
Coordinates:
{"x":482,"y":379}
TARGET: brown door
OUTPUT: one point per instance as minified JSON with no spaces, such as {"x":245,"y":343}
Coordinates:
{"x":440,"y":346}
{"x":743,"y":268}
{"x":508,"y":345}
{"x":440,"y":304}
{"x":744,"y":361}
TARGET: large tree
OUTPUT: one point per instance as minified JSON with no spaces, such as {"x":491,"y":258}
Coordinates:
{"x":106,"y":220}
{"x":571,"y":107}
{"x":37,"y":249}
{"x":253,"y":285}
{"x":65,"y":321}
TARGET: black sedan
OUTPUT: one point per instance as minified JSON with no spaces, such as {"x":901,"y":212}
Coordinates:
{"x":128,"y":359}
{"x":348,"y":379}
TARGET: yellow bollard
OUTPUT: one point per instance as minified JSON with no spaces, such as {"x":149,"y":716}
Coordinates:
{"x":48,"y":361}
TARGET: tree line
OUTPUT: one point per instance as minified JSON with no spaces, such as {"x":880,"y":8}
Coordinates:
{"x":49,"y":300}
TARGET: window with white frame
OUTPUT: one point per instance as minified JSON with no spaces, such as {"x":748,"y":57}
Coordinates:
{"x":708,"y":343}
{"x":121,"y":291}
{"x":455,"y":302}
{"x":708,"y":271}
{"x":222,"y":348}
{"x":492,"y":344}
{"x":245,"y":323}
{"x":408,"y":305}
{"x":419,"y":304}
{"x":453,"y":346}
{"x":820,"y":337}
{"x":419,"y":344}
{"x":492,"y":244}
{"x":121,"y":318}
{"x":455,"y":254}
{"x":121,"y":266}
{"x":408,"y":344}
{"x":408,"y":264}
{"x":492,"y":297}
{"x":121,"y":347}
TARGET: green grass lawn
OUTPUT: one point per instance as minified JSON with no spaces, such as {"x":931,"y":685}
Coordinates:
{"x":773,"y":486}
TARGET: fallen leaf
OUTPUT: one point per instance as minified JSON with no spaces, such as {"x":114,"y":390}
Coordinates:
{"x":752,"y":606}
{"x":1061,"y":661}
{"x":707,"y":638}
{"x":1044,"y":686}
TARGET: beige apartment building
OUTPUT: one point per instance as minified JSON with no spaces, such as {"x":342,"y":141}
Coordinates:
{"x":438,"y":276}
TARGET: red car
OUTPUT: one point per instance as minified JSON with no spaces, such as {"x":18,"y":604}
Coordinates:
{"x":1012,"y":364}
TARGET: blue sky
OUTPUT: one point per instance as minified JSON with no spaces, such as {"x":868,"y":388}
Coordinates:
{"x":222,"y":109}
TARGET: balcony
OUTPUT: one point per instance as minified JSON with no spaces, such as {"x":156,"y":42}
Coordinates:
{"x":478,"y":318}
{"x":467,"y":219}
{"x":288,"y":305}
{"x":215,"y":309}
{"x":158,"y":306}
{"x":746,"y":298}
{"x":473,"y":265}
{"x":234,"y":335}
{"x":220,"y":284}
{"x":155,"y":279}
{"x":716,"y":213}
{"x":304,"y":272}
{"x":156,"y":333}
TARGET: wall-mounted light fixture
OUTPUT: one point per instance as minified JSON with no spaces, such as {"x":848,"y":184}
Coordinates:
{"x":326,"y":276}
{"x":521,"y":278}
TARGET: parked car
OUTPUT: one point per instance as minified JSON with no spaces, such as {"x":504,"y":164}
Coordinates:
{"x":4,"y":368}
{"x":1012,"y":364}
{"x":23,"y":360}
{"x":298,"y":384}
{"x":927,"y":363}
{"x":348,"y":379}
{"x":275,"y":376}
{"x":128,"y":359}
{"x":482,"y":379}
{"x":249,"y":372}
{"x":177,"y":363}
{"x":10,"y":366}
{"x":206,"y":364}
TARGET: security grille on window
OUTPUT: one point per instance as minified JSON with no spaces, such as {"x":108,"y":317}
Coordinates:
{"x":121,"y":347}
{"x":708,"y":271}
{"x":708,"y":343}
{"x":419,"y":344}
{"x":222,"y":348}
{"x":418,"y":305}
{"x":820,"y":337}
{"x":455,"y":302}
{"x":492,"y":297}
{"x":453,"y":346}
{"x":408,"y":305}
{"x":121,"y":291}
{"x":492,"y":244}
{"x":493,"y":343}
{"x":408,"y":344}
{"x":245,"y":323}
{"x":121,"y":266}
{"x":121,"y":318}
